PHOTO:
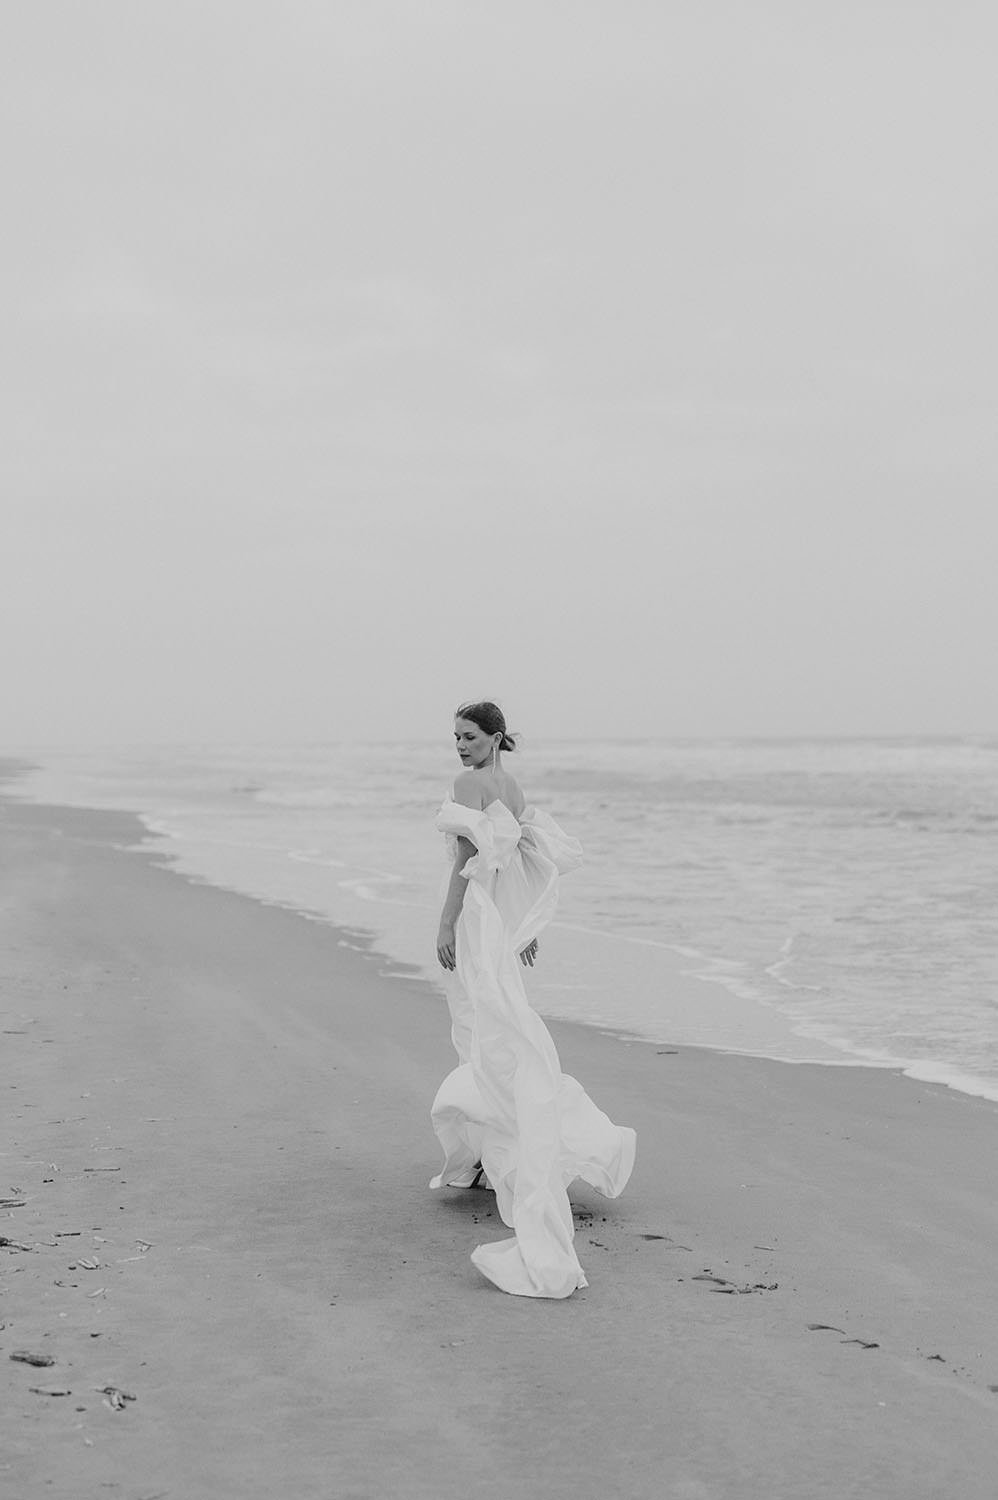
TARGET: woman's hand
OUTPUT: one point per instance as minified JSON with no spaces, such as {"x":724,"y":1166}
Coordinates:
{"x":529,"y":953}
{"x":446,"y":949}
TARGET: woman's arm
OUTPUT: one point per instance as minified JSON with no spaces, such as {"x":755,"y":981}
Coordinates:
{"x":446,"y":951}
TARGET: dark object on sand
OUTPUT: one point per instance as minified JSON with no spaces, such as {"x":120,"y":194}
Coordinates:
{"x":115,"y":1397}
{"x":25,"y":1357}
{"x":750,"y":1286}
{"x":829,"y":1328}
{"x":50,"y":1390}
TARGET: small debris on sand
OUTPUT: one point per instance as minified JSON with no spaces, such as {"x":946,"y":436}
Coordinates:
{"x":25,"y":1357}
{"x":829,"y":1328}
{"x":115,"y":1398}
{"x":50,"y":1390}
{"x":743,"y":1291}
{"x":731,"y":1288}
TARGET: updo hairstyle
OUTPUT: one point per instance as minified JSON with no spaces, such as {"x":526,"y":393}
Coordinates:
{"x":490,"y":719}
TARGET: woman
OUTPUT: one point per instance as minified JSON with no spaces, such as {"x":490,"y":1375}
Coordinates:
{"x":507,"y":1112}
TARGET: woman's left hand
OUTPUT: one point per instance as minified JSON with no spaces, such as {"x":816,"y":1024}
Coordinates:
{"x":529,"y":953}
{"x":446,"y":947}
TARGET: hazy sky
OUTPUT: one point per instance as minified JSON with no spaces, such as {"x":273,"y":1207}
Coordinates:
{"x":632,"y":362}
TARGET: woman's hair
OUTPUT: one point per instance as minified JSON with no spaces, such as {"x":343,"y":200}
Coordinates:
{"x":490,"y":719}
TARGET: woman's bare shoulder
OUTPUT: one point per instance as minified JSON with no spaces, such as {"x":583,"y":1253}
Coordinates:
{"x":511,"y":794}
{"x":469,"y":790}
{"x":478,"y":789}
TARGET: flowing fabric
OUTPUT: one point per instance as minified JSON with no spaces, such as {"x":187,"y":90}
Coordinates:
{"x":508,"y":1105}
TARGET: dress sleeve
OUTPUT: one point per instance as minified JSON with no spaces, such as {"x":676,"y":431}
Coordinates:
{"x":541,"y":830}
{"x":495,"y":841}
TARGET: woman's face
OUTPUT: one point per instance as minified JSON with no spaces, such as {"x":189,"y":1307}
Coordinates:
{"x":474,"y":746}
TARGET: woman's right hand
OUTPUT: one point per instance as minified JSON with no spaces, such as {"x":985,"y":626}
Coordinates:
{"x":446,"y":946}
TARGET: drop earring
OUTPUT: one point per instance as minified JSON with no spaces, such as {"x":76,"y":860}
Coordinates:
{"x":494,"y":748}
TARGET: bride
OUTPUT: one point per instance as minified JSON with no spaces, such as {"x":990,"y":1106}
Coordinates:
{"x":507,"y":1113}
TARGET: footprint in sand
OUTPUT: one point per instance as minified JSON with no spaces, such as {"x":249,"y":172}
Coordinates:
{"x":828,"y":1328}
{"x":731,"y":1288}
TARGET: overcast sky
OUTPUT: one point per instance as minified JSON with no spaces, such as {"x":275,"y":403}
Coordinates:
{"x":632,"y":362}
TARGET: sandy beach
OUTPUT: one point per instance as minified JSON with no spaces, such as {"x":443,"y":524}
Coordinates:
{"x":213,"y":1200}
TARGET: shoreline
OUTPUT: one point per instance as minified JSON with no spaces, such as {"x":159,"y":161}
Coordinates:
{"x":155,"y":845}
{"x":227,"y":1109}
{"x":702,"y":1005}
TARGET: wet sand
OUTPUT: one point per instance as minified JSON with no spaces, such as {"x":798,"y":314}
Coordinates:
{"x":213,"y":1171}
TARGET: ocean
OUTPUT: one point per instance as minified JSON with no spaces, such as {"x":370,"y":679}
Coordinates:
{"x":811,"y":900}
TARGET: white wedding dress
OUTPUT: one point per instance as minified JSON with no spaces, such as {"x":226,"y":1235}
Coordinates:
{"x":508,"y":1105}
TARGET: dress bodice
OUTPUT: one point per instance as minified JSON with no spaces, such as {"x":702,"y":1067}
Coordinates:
{"x":497,"y":834}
